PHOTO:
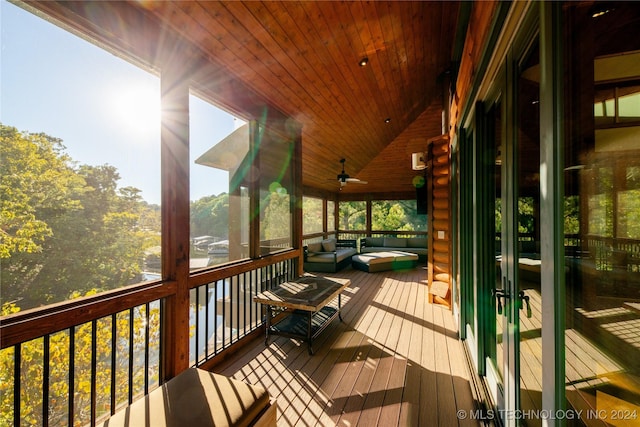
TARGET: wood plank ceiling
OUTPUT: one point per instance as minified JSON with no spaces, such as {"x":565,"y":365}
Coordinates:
{"x":302,"y":58}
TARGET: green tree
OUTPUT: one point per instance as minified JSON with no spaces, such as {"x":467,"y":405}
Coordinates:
{"x":36,"y":181}
{"x":60,"y":353}
{"x":210,"y":216}
{"x":66,"y":228}
{"x":311,"y":215}
{"x":526,"y":218}
{"x":276,"y":217}
{"x":571,"y":214}
{"x":396,"y":215}
{"x":353,"y":215}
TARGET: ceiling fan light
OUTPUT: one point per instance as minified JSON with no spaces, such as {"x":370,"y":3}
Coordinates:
{"x":600,"y":9}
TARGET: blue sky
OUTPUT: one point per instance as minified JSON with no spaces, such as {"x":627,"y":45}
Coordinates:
{"x":105,"y":109}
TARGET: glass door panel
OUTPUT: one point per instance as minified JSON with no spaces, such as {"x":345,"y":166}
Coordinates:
{"x":527,"y":289}
{"x":495,"y":126}
{"x":489,"y":184}
{"x":602,"y":213}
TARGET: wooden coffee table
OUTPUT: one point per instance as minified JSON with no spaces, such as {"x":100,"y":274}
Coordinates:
{"x":306,"y":302}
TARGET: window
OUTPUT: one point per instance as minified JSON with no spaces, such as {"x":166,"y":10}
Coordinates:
{"x":600,"y":202}
{"x":331,"y":216}
{"x":274,"y":161}
{"x":619,"y":104}
{"x":311,"y":215}
{"x":219,"y":211}
{"x":353,"y":215}
{"x":602,"y":207}
{"x":398,"y":215}
{"x":628,"y":209}
{"x":80,"y":170}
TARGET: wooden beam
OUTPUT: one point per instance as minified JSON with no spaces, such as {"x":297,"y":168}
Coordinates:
{"x":297,"y":195}
{"x":174,"y":135}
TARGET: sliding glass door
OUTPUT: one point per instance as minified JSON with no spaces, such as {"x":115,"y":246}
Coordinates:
{"x":602,"y":212}
{"x":511,"y":263}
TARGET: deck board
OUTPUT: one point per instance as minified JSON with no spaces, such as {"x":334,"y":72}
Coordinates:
{"x":395,"y":360}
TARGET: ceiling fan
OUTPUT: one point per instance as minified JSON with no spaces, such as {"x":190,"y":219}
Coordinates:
{"x":344,"y":178}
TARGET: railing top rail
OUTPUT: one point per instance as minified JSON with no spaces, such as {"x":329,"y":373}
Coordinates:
{"x":220,"y":273}
{"x":35,"y":323}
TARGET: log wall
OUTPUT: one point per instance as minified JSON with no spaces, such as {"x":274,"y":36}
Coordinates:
{"x":439,"y":209}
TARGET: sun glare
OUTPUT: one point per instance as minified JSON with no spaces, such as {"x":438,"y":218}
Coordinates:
{"x":137,"y":109}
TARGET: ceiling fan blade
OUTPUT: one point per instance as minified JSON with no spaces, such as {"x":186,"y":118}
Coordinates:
{"x":356,"y":181}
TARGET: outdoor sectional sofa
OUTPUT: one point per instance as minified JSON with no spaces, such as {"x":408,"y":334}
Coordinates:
{"x":414,"y":245}
{"x":329,"y":255}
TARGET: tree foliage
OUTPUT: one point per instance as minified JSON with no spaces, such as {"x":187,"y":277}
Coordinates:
{"x":386,"y":215}
{"x":275,"y":216}
{"x":311,"y":215}
{"x":66,"y":228}
{"x":210,"y":216}
{"x":61,"y":350}
{"x":396,"y":215}
{"x":353,"y":215}
{"x":36,"y":182}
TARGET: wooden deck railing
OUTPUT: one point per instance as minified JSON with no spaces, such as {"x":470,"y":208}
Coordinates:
{"x":222,"y":307}
{"x":77,"y":362}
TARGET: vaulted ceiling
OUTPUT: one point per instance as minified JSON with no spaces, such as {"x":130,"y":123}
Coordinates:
{"x":302,"y":58}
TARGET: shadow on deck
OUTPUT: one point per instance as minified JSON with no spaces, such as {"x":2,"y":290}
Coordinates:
{"x":395,"y":360}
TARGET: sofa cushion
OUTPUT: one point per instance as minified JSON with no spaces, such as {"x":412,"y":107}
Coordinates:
{"x":342,"y":253}
{"x":395,"y":242}
{"x":417,"y":242}
{"x":315,"y":247}
{"x":195,"y":397}
{"x":382,"y":257}
{"x":323,"y":257}
{"x":374,"y":241}
{"x":329,"y":245}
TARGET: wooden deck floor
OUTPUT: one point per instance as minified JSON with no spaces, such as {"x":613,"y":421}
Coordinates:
{"x":395,"y":360}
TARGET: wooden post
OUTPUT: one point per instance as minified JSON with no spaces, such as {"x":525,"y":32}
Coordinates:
{"x":296,"y":135}
{"x":174,"y":137}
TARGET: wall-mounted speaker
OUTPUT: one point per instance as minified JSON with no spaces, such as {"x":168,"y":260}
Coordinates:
{"x":418,"y":161}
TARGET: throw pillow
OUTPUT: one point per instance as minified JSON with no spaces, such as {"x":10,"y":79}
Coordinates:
{"x":315,"y":247}
{"x":329,"y":245}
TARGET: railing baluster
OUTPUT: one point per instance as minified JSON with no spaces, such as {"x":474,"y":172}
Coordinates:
{"x":17,"y":361}
{"x":130,"y":355}
{"x":45,"y":381}
{"x":206,"y":321}
{"x":215,"y":317}
{"x":254,"y":282}
{"x":146,"y":347}
{"x":161,"y":346}
{"x":224,"y":309}
{"x":196,"y":351}
{"x":244,"y":303}
{"x":72,"y":364}
{"x":94,"y":366}
{"x":113,"y":364}
{"x":231,"y":311}
{"x":237,"y":307}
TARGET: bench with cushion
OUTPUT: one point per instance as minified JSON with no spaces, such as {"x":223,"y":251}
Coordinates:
{"x":382,"y":261}
{"x":199,"y":398}
{"x":329,"y":256}
{"x":414,"y":245}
